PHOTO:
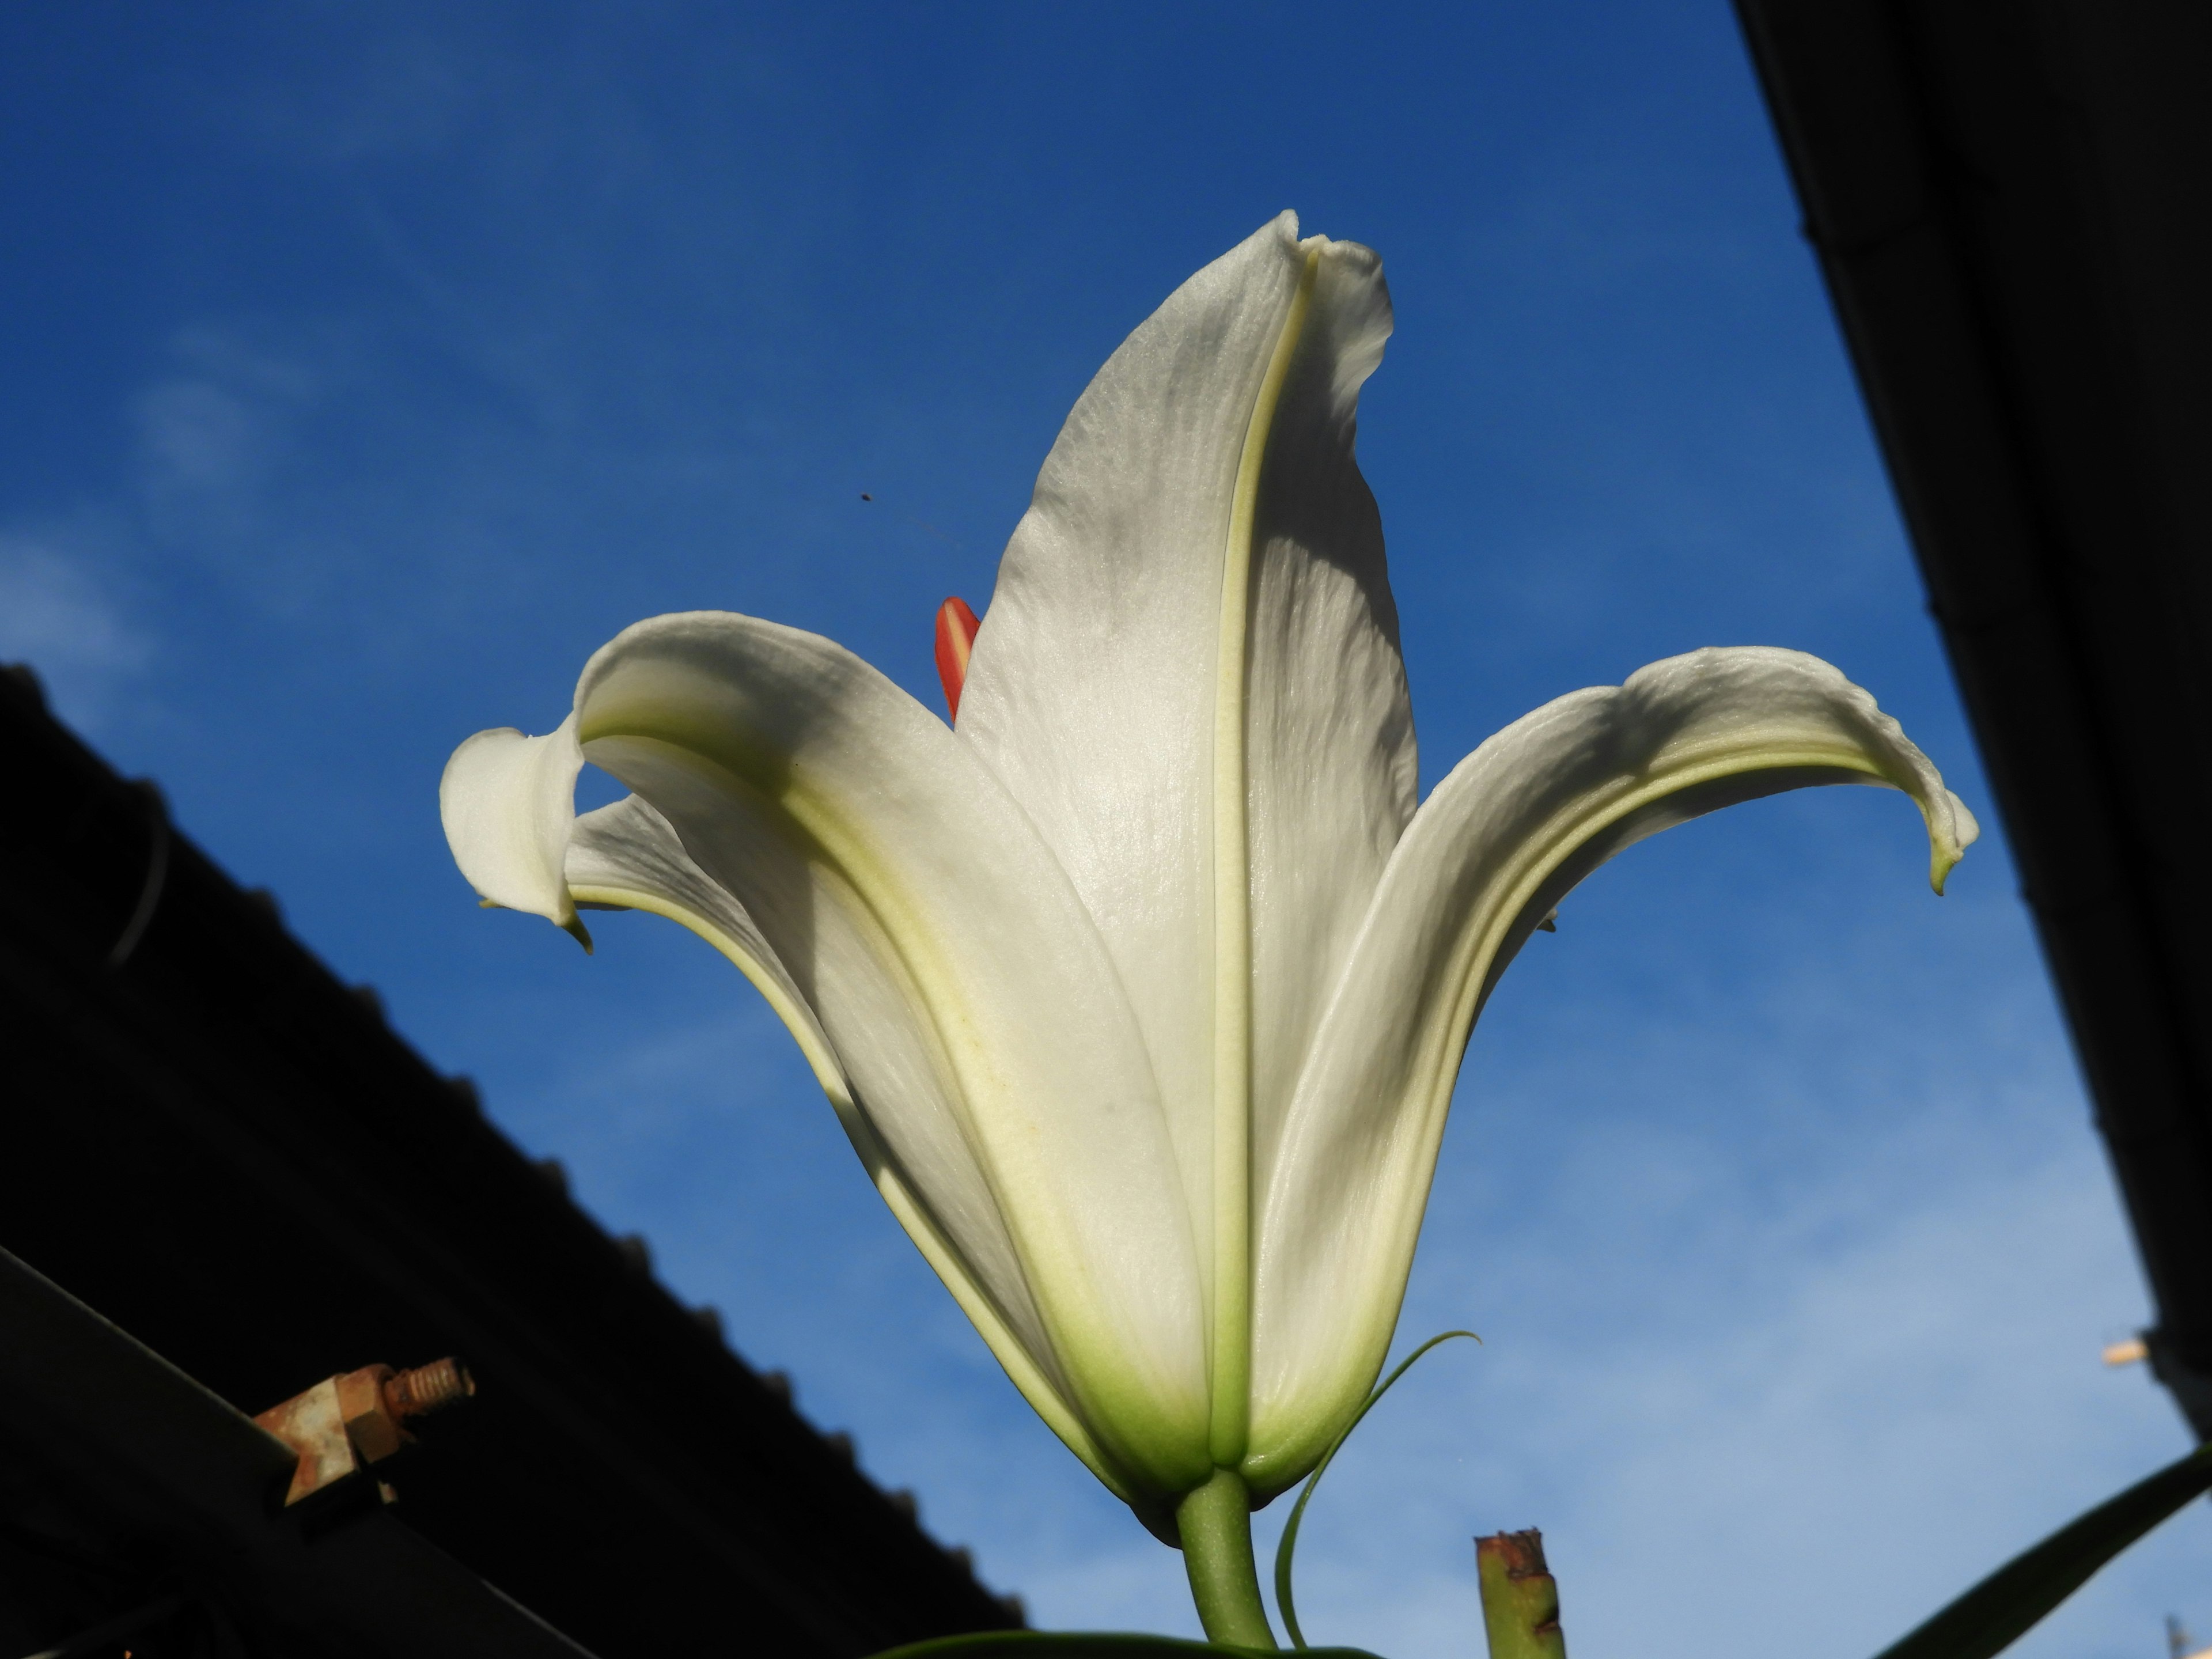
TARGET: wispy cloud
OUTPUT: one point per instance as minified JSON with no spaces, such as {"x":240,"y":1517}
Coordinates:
{"x":211,"y":430}
{"x":1918,"y":1399}
{"x":63,"y":618}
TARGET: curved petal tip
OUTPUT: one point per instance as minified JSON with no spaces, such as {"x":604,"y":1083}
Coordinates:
{"x":1949,"y":838}
{"x":507,"y":802}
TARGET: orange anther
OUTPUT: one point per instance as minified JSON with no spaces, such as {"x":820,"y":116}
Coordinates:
{"x":956,"y":637}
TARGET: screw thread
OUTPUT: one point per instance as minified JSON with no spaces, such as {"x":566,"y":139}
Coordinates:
{"x":427,"y":1388}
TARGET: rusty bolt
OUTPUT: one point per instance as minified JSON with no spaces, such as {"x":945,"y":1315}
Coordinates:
{"x":428,"y":1388}
{"x":376,"y":1402}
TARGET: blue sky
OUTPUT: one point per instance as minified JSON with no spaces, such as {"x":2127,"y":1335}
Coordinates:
{"x":363,"y":368}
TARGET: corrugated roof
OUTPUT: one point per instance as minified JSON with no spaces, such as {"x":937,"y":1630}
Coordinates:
{"x":217,"y":1145}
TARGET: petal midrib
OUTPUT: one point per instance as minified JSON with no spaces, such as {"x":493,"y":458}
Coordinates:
{"x":1232,"y":1300}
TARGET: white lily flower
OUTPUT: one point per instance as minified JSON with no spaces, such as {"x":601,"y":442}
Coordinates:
{"x":1142,"y":992}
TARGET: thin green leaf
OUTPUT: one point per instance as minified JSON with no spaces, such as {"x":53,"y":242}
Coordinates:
{"x":1079,"y":1644}
{"x":1290,"y":1538}
{"x":2005,"y":1606}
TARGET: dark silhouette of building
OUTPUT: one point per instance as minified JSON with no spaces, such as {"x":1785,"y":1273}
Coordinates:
{"x":210,"y":1141}
{"x":2012,"y":202}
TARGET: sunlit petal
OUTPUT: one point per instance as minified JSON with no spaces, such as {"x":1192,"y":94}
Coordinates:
{"x":959,"y":984}
{"x":1485,"y":860}
{"x":1331,"y":760}
{"x":628,"y":855}
{"x":1188,"y":676}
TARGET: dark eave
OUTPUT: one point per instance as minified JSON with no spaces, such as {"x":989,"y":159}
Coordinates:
{"x":216,"y":1144}
{"x":2011,"y":201}
{"x":130,"y":1447}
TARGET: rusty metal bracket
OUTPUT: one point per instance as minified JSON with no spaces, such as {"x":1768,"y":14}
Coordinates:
{"x":343,"y":1424}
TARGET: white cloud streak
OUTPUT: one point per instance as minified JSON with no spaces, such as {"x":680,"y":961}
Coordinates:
{"x":57,"y":615}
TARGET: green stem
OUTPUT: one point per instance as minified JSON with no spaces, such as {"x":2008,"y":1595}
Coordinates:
{"x":1520,"y":1600}
{"x":1216,"y":1525}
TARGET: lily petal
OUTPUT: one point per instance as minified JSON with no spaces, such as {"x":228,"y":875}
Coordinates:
{"x":628,"y":856}
{"x":1188,"y":676}
{"x":506,"y":800}
{"x":1487,"y":857}
{"x":1331,"y":760}
{"x":997,"y":1079}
